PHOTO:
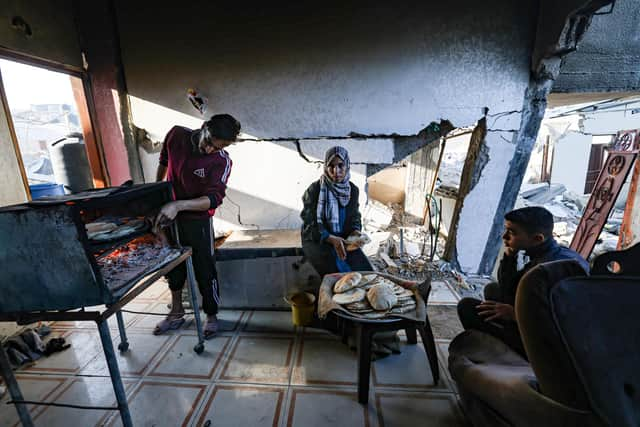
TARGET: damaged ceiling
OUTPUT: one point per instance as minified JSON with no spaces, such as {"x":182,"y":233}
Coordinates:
{"x":607,"y":58}
{"x":375,"y":68}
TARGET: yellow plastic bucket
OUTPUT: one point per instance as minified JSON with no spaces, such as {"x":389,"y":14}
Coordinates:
{"x":302,"y":308}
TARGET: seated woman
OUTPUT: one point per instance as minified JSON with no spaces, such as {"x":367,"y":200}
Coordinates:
{"x":330,"y":215}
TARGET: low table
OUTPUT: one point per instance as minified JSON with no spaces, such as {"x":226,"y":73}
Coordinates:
{"x":365,"y":328}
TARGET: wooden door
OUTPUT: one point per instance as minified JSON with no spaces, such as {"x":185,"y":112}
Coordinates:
{"x":596,"y":160}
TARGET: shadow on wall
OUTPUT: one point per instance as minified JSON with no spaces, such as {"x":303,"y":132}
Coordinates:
{"x":240,"y":211}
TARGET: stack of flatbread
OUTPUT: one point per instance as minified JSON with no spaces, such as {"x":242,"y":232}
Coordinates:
{"x":372,"y":296}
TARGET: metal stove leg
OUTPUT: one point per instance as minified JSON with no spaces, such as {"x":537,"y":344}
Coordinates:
{"x":124,"y":343}
{"x":191,"y":278}
{"x":114,"y":371}
{"x":14,"y":389}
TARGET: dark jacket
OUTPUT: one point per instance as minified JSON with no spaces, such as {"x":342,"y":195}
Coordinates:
{"x":509,"y":276}
{"x":311,"y":230}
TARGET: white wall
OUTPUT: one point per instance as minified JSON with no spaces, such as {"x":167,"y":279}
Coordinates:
{"x":268,"y":179}
{"x":571,"y":160}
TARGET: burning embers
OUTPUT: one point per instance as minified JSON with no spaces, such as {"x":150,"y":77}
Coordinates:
{"x":135,"y":259}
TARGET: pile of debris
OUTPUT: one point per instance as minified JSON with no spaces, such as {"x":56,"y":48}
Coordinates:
{"x":401,"y":248}
{"x":566,"y":208}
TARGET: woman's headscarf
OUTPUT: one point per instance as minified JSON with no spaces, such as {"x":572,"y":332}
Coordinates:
{"x":333,"y":194}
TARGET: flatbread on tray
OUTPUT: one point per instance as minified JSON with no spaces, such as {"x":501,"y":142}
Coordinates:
{"x":347,"y":282}
{"x":381,"y":297}
{"x":411,"y":307}
{"x":354,"y":295}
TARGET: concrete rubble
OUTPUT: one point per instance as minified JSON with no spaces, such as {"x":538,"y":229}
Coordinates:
{"x":401,"y":248}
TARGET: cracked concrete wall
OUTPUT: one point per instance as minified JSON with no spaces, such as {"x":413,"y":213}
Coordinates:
{"x":53,"y":30}
{"x":376,"y":69}
{"x":288,"y":71}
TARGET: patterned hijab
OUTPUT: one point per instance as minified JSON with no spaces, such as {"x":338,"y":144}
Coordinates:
{"x":333,"y":195}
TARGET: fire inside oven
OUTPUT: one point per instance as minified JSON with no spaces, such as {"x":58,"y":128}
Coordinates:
{"x":127,"y":247}
{"x":134,"y":259}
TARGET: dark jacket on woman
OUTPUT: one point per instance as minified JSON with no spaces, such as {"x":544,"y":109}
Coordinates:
{"x":311,"y":230}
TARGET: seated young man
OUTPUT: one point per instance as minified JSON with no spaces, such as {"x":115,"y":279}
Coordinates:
{"x":528,"y":229}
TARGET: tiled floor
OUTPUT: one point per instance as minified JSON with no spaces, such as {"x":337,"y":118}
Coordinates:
{"x":260,"y":371}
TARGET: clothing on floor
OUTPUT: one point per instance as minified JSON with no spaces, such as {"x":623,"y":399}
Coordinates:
{"x":197,"y":233}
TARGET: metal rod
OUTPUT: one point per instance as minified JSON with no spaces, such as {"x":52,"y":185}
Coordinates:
{"x":124,"y":344}
{"x":14,"y":388}
{"x":427,"y":208}
{"x":27,"y":318}
{"x":144,"y":284}
{"x":62,"y":405}
{"x":148,"y":313}
{"x":114,"y":371}
{"x":191,"y":278}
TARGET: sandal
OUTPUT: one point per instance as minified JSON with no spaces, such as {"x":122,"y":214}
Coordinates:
{"x":211,"y":329}
{"x":168,"y":325}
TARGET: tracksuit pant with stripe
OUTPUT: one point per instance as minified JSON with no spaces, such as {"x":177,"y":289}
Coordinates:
{"x":198,"y":234}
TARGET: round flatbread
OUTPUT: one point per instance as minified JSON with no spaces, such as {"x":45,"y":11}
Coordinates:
{"x":402,"y":292}
{"x":375,"y":314}
{"x":403,"y":309}
{"x":406,"y":300}
{"x":381,"y":297}
{"x":368,"y":278}
{"x":360,"y":305}
{"x":356,"y":241}
{"x":386,"y":282}
{"x":371,"y":310}
{"x":354,"y":295}
{"x":347,"y":282}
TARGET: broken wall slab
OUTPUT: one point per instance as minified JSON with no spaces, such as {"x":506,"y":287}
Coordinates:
{"x":481,"y":202}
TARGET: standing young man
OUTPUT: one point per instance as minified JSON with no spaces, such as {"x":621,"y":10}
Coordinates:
{"x":530,"y":230}
{"x":197,"y":165}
